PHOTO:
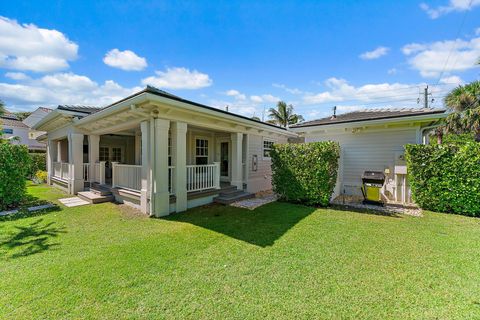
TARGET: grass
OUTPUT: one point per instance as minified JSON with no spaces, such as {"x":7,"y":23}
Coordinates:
{"x":279,"y":261}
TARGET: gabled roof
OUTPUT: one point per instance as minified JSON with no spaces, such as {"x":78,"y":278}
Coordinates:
{"x":11,"y":120}
{"x":370,"y":114}
{"x":82,"y":109}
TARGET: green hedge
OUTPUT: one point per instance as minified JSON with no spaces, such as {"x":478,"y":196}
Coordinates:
{"x":445,"y":178}
{"x":305,"y":173}
{"x":38,"y":162}
{"x":14,"y":165}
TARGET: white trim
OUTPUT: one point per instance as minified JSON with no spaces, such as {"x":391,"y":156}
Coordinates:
{"x":265,"y":139}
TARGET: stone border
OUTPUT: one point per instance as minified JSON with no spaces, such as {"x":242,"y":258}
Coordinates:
{"x":30,"y":209}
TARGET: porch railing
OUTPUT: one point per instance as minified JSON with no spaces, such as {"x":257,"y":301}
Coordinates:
{"x":127,"y":176}
{"x":61,"y":170}
{"x":202,"y":177}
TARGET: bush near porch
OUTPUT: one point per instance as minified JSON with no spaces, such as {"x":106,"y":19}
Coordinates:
{"x":14,"y":164}
{"x":38,"y":162}
{"x":445,"y":178}
{"x":305,"y":173}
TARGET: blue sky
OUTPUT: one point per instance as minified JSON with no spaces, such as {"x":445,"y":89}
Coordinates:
{"x":353,"y":54}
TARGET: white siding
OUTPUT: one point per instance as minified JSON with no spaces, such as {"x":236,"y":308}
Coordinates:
{"x":366,"y":150}
{"x":261,"y":179}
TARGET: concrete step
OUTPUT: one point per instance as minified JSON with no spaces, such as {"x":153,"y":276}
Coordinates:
{"x":242,"y":195}
{"x":100,"y":189}
{"x":94,"y":198}
{"x":230,"y":192}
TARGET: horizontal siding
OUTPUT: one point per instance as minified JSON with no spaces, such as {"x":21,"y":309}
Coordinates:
{"x":374,"y":150}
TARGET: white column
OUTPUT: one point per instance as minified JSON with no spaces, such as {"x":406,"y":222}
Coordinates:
{"x":75,"y":152}
{"x":138,"y":148}
{"x":145,"y":128}
{"x":51,"y":153}
{"x":93,"y":155}
{"x":161,"y":199}
{"x":236,"y":163}
{"x":59,"y":151}
{"x":179,"y":160}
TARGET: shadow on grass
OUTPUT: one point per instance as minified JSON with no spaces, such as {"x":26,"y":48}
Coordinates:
{"x":378,"y":212}
{"x":260,"y":227}
{"x":31,"y":239}
{"x":30,"y":201}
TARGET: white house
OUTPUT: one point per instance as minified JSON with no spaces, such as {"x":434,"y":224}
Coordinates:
{"x":373,"y":140}
{"x":158,"y":151}
{"x":18,"y":132}
{"x":35,"y":117}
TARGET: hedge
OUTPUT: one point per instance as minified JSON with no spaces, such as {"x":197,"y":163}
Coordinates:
{"x":445,"y":178}
{"x":305,"y":173}
{"x":38,"y":162}
{"x":14,"y":164}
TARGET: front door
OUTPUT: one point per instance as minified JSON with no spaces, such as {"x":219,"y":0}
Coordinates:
{"x":224,"y":161}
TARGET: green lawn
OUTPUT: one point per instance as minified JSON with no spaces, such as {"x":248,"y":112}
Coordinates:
{"x":279,"y":261}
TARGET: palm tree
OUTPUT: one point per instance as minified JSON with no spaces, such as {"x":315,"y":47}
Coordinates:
{"x":283,"y":115}
{"x":464,"y":102}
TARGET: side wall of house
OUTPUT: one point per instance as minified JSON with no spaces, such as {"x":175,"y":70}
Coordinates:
{"x":260,"y":178}
{"x":369,"y":149}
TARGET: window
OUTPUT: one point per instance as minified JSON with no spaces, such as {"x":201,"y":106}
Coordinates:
{"x":116,"y":154}
{"x":104,"y":154}
{"x":267,"y":146}
{"x":201,"y":151}
{"x":7,"y":131}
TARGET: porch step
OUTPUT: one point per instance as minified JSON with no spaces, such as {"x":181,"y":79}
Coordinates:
{"x":232,"y":194}
{"x":94,"y":198}
{"x":100,"y":189}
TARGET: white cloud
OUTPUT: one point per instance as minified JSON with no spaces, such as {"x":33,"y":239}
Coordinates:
{"x":375,"y":54}
{"x":287,"y":89}
{"x":62,"y":88}
{"x":125,"y":60}
{"x":392,"y":71}
{"x":236,"y":94}
{"x":17,"y":76}
{"x":477,"y":32}
{"x":449,"y":56}
{"x":454,"y":80}
{"x":452,"y":6}
{"x":264,"y":98}
{"x":179,"y":78}
{"x":27,"y":47}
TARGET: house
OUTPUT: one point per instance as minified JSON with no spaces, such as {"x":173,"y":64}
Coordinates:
{"x":33,"y":118}
{"x":158,"y":151}
{"x":17,"y":132}
{"x":373,"y":140}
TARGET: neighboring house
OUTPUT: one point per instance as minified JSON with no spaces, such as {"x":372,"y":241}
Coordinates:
{"x":158,"y":151}
{"x":373,"y":140}
{"x":33,"y":118}
{"x":17,"y":132}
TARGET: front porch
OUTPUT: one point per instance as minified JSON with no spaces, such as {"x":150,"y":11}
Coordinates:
{"x":159,"y":165}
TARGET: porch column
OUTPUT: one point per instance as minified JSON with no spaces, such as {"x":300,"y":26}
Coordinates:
{"x":93,"y":155}
{"x":51,"y":153}
{"x":75,"y":156}
{"x":145,"y":128}
{"x":161,"y":196}
{"x":138,"y":148}
{"x":179,"y":160}
{"x":237,"y":179}
{"x":59,"y":151}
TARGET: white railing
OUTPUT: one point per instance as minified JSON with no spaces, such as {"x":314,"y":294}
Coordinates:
{"x":127,"y":176}
{"x":61,"y":170}
{"x":95,"y":174}
{"x":203,"y":177}
{"x":86,"y":172}
{"x":171,"y":188}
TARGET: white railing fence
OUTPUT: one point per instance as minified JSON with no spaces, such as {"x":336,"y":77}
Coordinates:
{"x":127,"y":176}
{"x":61,"y":170}
{"x":202,"y":177}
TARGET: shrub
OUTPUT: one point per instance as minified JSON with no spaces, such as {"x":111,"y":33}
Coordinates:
{"x":41,"y":176}
{"x":445,"y":178}
{"x":14,"y":164}
{"x":305,"y":173}
{"x":38,"y":162}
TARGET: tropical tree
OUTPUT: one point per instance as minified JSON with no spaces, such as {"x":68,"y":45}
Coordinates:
{"x":464,"y":104}
{"x":283,"y":115}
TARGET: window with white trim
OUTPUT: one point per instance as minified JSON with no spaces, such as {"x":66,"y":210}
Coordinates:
{"x":267,"y":147}
{"x":116,"y":154}
{"x":201,"y":151}
{"x":104,"y":154}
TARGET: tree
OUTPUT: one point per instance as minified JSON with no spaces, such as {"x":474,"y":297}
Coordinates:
{"x":255,"y":118}
{"x":2,"y":108}
{"x":283,"y":115}
{"x":464,"y":102}
{"x":21,"y":115}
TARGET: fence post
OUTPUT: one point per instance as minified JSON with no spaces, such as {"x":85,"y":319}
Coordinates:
{"x":114,"y":165}
{"x":217,"y":175}
{"x":101,"y":179}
